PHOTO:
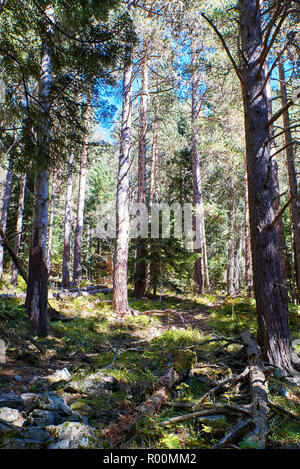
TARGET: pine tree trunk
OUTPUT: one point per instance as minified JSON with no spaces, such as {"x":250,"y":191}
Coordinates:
{"x":247,"y":237}
{"x":198,"y":224}
{"x":120,"y":275}
{"x":293,"y":187}
{"x":4,"y":214}
{"x":77,"y":271}
{"x":271,"y":297}
{"x":65,"y":282}
{"x":141,"y":250}
{"x":37,"y":286}
{"x":231,"y":240}
{"x":14,"y":269}
{"x":51,"y":220}
{"x":276,"y":202}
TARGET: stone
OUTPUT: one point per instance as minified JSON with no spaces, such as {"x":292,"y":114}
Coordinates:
{"x":92,"y":384}
{"x":11,"y":400}
{"x":43,"y":418}
{"x":50,"y":401}
{"x":9,"y":415}
{"x":31,"y":438}
{"x":30,"y":401}
{"x":18,"y":378}
{"x":73,"y":435}
{"x":43,"y":382}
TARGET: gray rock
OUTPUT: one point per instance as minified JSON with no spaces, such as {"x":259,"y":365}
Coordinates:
{"x":11,"y":400}
{"x":50,"y":401}
{"x":43,"y":418}
{"x":73,"y":435}
{"x":32,"y":438}
{"x":9,"y":415}
{"x":30,"y":401}
{"x":92,"y":384}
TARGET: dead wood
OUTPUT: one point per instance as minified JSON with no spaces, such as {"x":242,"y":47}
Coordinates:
{"x":226,"y":383}
{"x":213,"y":411}
{"x":127,"y":422}
{"x":259,"y":408}
{"x":284,"y":411}
{"x":240,"y":428}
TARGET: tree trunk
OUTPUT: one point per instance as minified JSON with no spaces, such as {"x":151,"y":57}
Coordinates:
{"x":231,"y":240}
{"x":51,"y":220}
{"x":271,"y":297}
{"x":4,"y":213}
{"x":276,"y":202}
{"x":77,"y":273}
{"x":120,"y":291}
{"x":37,"y":288}
{"x":65,"y":282}
{"x":141,"y":251}
{"x":198,"y":224}
{"x":247,"y":238}
{"x":293,"y":187}
{"x":14,"y":273}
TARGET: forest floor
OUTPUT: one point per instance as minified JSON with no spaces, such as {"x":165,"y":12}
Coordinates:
{"x":85,"y":338}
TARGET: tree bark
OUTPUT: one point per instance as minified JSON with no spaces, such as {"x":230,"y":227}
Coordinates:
{"x":51,"y":220}
{"x":120,"y":274}
{"x":14,"y":274}
{"x":77,"y":271}
{"x":198,"y":222}
{"x":141,"y":250}
{"x":271,"y":298}
{"x":4,"y":214}
{"x":293,"y":187}
{"x":231,"y":240}
{"x":37,"y":288}
{"x":65,"y":282}
{"x":247,"y":237}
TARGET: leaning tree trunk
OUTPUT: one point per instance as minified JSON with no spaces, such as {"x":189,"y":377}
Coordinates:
{"x":141,"y":250}
{"x":271,"y":296}
{"x":120,"y":275}
{"x":37,"y":288}
{"x":14,"y":269}
{"x":65,"y":282}
{"x":77,"y":273}
{"x":293,"y":187}
{"x":4,"y":214}
{"x":51,"y":221}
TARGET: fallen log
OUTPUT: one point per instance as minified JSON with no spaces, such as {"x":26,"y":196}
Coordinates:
{"x":117,"y":430}
{"x":66,"y":294}
{"x":259,"y":408}
{"x":213,"y":411}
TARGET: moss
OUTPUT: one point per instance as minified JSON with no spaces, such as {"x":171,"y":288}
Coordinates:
{"x":185,"y":361}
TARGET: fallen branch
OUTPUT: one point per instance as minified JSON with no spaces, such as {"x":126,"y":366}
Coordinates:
{"x":284,"y":411}
{"x":240,"y":428}
{"x":213,"y":411}
{"x":126,"y":422}
{"x":227,"y":382}
{"x":259,"y":407}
